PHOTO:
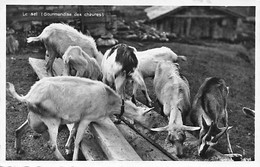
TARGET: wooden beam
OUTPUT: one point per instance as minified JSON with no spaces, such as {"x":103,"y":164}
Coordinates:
{"x":91,"y":149}
{"x":39,"y":68}
{"x":113,"y":142}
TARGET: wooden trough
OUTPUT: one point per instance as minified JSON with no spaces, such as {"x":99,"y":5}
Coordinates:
{"x":120,"y":142}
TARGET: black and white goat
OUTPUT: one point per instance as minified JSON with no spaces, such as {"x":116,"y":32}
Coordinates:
{"x":119,"y":65}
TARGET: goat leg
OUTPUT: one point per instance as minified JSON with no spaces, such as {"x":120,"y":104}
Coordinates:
{"x":225,"y":122}
{"x":138,"y":80}
{"x":53,"y":128}
{"x":18,"y":134}
{"x":80,"y":132}
{"x":230,"y":151}
{"x":135,"y":86}
{"x":161,"y":106}
{"x":72,"y":129}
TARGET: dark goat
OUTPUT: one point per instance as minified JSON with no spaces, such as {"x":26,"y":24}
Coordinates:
{"x":208,"y":109}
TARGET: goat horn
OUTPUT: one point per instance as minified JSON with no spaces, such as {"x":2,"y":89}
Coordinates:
{"x":210,"y":128}
{"x":189,"y":128}
{"x":160,"y":128}
{"x":222,"y":131}
{"x":147,"y":110}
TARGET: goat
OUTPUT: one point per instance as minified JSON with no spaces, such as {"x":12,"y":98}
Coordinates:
{"x":208,"y":109}
{"x":75,"y":59}
{"x":57,"y":37}
{"x":66,"y":99}
{"x":84,"y":65}
{"x":118,"y":66}
{"x":147,"y":63}
{"x":173,"y":94}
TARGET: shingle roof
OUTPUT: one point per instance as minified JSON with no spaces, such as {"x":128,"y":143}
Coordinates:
{"x":156,"y":12}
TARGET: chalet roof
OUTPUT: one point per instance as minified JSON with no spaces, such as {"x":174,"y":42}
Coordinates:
{"x":158,"y":12}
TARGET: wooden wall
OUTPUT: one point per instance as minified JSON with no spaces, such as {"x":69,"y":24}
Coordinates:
{"x":199,"y":22}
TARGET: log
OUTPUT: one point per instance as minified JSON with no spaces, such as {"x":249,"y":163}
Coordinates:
{"x":144,"y":149}
{"x":113,"y":142}
{"x":91,"y":149}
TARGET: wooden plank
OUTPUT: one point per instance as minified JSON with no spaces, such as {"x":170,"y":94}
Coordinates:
{"x":113,"y":142}
{"x":38,"y":66}
{"x":91,"y":149}
{"x":144,"y":149}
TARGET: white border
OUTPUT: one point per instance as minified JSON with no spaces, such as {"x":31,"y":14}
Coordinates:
{"x":136,"y":3}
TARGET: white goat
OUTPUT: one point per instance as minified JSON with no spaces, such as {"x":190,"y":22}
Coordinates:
{"x":85,"y":66}
{"x":75,"y":59}
{"x":147,"y":63}
{"x":57,"y":37}
{"x":64,"y":100}
{"x":173,"y":94}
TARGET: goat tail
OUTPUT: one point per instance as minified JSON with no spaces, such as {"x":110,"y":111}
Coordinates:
{"x":13,"y":93}
{"x":67,"y":59}
{"x":33,"y":39}
{"x":182,"y":58}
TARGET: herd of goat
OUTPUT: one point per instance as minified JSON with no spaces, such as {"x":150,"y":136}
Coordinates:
{"x":93,"y":88}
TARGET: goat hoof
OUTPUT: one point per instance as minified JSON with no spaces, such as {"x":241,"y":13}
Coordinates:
{"x":20,"y":151}
{"x":149,"y":104}
{"x":69,"y":156}
{"x":235,"y":157}
{"x":117,"y":121}
{"x":68,"y":152}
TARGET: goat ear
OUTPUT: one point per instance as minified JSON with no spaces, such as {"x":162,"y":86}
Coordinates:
{"x":248,"y":112}
{"x":229,"y":127}
{"x":189,"y":128}
{"x":147,"y":110}
{"x":160,"y":129}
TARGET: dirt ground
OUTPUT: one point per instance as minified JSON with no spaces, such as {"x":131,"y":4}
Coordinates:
{"x":234,"y":63}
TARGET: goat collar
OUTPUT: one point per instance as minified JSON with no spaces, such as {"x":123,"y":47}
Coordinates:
{"x":118,"y":116}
